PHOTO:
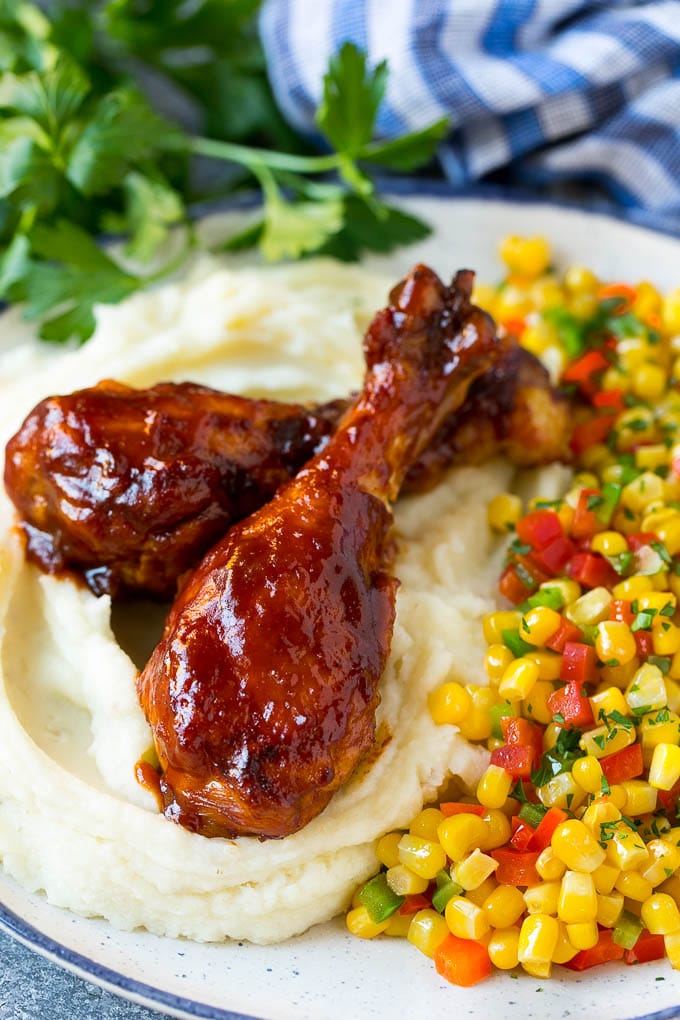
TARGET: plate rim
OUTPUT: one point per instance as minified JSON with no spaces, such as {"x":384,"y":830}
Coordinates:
{"x":150,"y":995}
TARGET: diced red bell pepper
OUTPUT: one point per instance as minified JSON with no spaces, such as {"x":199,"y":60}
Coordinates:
{"x":566,"y":632}
{"x":584,"y":369}
{"x":620,"y":609}
{"x":539,"y":528}
{"x":515,"y":867}
{"x":518,"y":761}
{"x":578,"y":664}
{"x":623,"y":291}
{"x":512,"y":587}
{"x":611,"y":399}
{"x":585,"y":523}
{"x":571,"y":703}
{"x":413,"y":903}
{"x":456,"y":807}
{"x":555,"y":556}
{"x":644,"y":643}
{"x":463,"y":962}
{"x":605,"y":950}
{"x":622,"y":765}
{"x":668,"y":799}
{"x":544,"y":830}
{"x":523,"y":733}
{"x":522,"y":833}
{"x":648,"y":947}
{"x":515,"y":327}
{"x":592,"y":570}
{"x":640,"y":538}
{"x":589,"y":433}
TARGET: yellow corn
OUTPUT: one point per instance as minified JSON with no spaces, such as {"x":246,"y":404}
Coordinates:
{"x":577,"y":900}
{"x":543,"y":898}
{"x":632,"y":588}
{"x":504,"y":906}
{"x":605,"y":877}
{"x":656,"y":728}
{"x":608,"y":700}
{"x":482,"y":892}
{"x":525,"y":256}
{"x":615,"y":643}
{"x":549,"y":866}
{"x":427,"y":931}
{"x":649,"y":381}
{"x":561,"y":791}
{"x":672,"y":836}
{"x":646,"y":690}
{"x":580,"y":280}
{"x":664,"y":770}
{"x":398,"y":925}
{"x":600,"y":812}
{"x":609,"y":908}
{"x":473,"y":870}
{"x":518,"y":679}
{"x":665,"y":637}
{"x":538,"y":625}
{"x":476,"y":724}
{"x":359,"y":923}
{"x":669,"y":533}
{"x":568,"y":589}
{"x":672,"y":887}
{"x":537,"y":938}
{"x":494,"y":624}
{"x":619,"y":676}
{"x":573,"y":843}
{"x":672,"y":693}
{"x":640,"y":797}
{"x":405,"y":882}
{"x":498,"y":828}
{"x":587,"y":771}
{"x":670,"y":311}
{"x":583,"y":934}
{"x":609,"y":543}
{"x":549,"y":664}
{"x":422,"y":856}
{"x":460,"y":834}
{"x":496,"y":661}
{"x":503,"y":948}
{"x":664,"y":860}
{"x":449,"y":703}
{"x":591,"y":608}
{"x":604,"y":740}
{"x":494,"y":786}
{"x":387,"y":849}
{"x":465,"y":919}
{"x":536,"y":706}
{"x":564,"y":951}
{"x":661,"y":915}
{"x":659,"y":600}
{"x":634,"y":886}
{"x":503,"y":512}
{"x":617,"y":796}
{"x":625,"y":848}
{"x":672,"y":946}
{"x":426,"y":822}
{"x":650,"y":457}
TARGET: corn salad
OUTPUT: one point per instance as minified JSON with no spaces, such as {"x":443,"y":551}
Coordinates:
{"x":568,"y":852}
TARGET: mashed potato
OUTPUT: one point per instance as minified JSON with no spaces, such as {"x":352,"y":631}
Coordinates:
{"x":73,"y":821}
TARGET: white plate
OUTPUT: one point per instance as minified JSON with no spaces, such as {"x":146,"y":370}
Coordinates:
{"x":327,"y":974}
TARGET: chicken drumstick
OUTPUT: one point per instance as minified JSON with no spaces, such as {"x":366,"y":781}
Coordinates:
{"x":262,"y":692}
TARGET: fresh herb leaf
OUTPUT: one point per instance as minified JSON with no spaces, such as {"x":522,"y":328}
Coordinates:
{"x":352,"y":95}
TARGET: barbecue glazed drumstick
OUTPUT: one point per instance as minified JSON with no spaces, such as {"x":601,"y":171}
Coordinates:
{"x":262,"y":692}
{"x":131,"y":487}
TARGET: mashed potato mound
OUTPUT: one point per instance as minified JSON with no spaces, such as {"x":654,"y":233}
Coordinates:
{"x":73,"y":821}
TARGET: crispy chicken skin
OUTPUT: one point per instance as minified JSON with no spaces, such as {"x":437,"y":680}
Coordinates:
{"x":262,"y":691}
{"x":131,"y":487}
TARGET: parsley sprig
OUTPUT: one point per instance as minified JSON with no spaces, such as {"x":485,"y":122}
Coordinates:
{"x":82,"y":154}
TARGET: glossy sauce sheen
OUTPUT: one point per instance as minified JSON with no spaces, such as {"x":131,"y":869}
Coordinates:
{"x":263,"y":690}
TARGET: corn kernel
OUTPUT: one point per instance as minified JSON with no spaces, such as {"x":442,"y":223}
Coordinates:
{"x":549,"y":866}
{"x":494,"y":786}
{"x":625,"y":848}
{"x":672,"y":835}
{"x":615,"y":643}
{"x":600,"y":812}
{"x":465,"y":919}
{"x":647,"y":689}
{"x":580,"y":280}
{"x":476,"y":724}
{"x":568,"y":589}
{"x":617,"y":796}
{"x":669,"y":534}
{"x":608,"y":700}
{"x":665,"y":637}
{"x":605,"y":740}
{"x":473,"y":870}
{"x":658,"y":728}
{"x":609,"y":543}
{"x":664,"y":861}
{"x":573,"y":843}
{"x":547,"y":293}
{"x":634,"y":886}
{"x":359,"y":923}
{"x":427,"y":931}
{"x":426,"y":822}
{"x":537,"y":938}
{"x":543,"y":898}
{"x":634,"y":427}
{"x":503,"y":948}
{"x":494,"y":624}
{"x":398,"y":925}
{"x":672,"y":946}
{"x":482,"y":892}
{"x":504,"y":906}
{"x":619,"y":676}
{"x":503,"y":511}
{"x":525,"y":256}
{"x":498,"y":828}
{"x":496,"y":661}
{"x":590,"y":608}
{"x":518,"y":679}
{"x":672,"y":887}
{"x":659,"y":600}
{"x":649,"y":458}
{"x":577,"y":900}
{"x":536,"y":706}
{"x":647,"y":299}
{"x":538,"y":968}
{"x":640,"y":797}
{"x":583,"y":934}
{"x":609,"y":909}
{"x":672,"y":694}
{"x":649,"y":381}
{"x":632,"y":588}
{"x":670,"y":311}
{"x":449,"y":703}
{"x":561,"y":791}
{"x":460,"y":834}
{"x":485,"y":296}
{"x":538,"y":625}
{"x":664,"y":770}
{"x":564,"y":951}
{"x":587,"y":772}
{"x":422,"y":856}
{"x":605,"y":878}
{"x":387,"y":849}
{"x":405,"y":882}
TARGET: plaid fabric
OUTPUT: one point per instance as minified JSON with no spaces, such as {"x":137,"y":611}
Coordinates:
{"x":546,"y":91}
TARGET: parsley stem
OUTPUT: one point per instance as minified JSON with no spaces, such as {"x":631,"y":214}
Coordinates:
{"x":252,"y":158}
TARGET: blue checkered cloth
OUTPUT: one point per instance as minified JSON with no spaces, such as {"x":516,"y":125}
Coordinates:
{"x":538,"y":91}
